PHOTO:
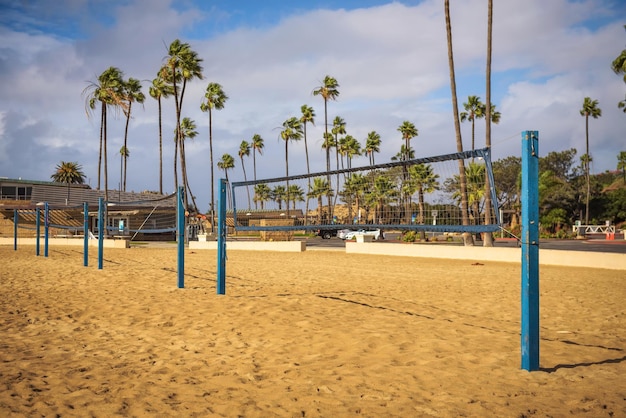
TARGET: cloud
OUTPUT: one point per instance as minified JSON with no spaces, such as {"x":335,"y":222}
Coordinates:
{"x":390,"y":61}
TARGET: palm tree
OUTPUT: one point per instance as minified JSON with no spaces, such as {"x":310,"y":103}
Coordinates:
{"x":257,"y":146}
{"x":215,"y":99}
{"x":182,"y":66}
{"x":292,"y":132}
{"x":132,"y":93}
{"x":329,"y":90}
{"x":352,"y":149}
{"x":474,"y":110}
{"x":108,"y":90}
{"x":262,"y":193}
{"x":307,"y":116}
{"x":69,"y":173}
{"x":408,"y":131}
{"x":160,"y":89}
{"x":467,"y":238}
{"x":321,"y":188}
{"x":425,"y":181}
{"x":590,"y":108}
{"x":279,"y":195}
{"x":244,"y":151}
{"x":372,"y":145}
{"x":621,"y":164}
{"x":226,"y":163}
{"x":295,"y":194}
{"x":619,"y":64}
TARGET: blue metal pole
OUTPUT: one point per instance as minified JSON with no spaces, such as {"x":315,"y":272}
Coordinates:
{"x":38,"y":227}
{"x":180,"y":236}
{"x":101,"y":229}
{"x":86,"y":232}
{"x":15,"y":221}
{"x":530,"y":250}
{"x":221,"y":239}
{"x":46,"y":228}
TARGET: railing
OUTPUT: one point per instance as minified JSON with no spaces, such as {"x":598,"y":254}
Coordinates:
{"x":594,"y":229}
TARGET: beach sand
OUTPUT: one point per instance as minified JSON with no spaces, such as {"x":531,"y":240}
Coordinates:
{"x":312,"y":334}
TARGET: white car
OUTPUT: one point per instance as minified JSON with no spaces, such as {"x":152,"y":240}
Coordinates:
{"x":352,"y":234}
{"x":343,"y":232}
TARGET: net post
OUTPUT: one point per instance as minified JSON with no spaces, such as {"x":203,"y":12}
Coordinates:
{"x":221,"y":239}
{"x":180,"y":237}
{"x":86,"y":233}
{"x":101,"y":229}
{"x":530,"y":251}
{"x":38,"y":228}
{"x":15,"y":221}
{"x":46,"y":228}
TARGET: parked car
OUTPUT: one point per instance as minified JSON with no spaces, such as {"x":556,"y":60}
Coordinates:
{"x":327,"y":233}
{"x":342,"y":233}
{"x":374,"y":233}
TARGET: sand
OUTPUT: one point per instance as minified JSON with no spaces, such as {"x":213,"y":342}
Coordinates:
{"x":313,"y":334}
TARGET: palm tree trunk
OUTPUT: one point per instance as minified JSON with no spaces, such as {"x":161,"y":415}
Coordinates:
{"x":160,"y":149}
{"x":468,"y":240}
{"x":126,"y":143}
{"x":308,"y":171}
{"x":587,"y":163}
{"x":102,"y":119}
{"x":488,"y":237}
{"x":212,"y":173}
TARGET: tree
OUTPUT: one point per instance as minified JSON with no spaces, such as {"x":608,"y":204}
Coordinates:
{"x":295,"y":194}
{"x":329,"y":90}
{"x":467,"y":238}
{"x":474,"y":110}
{"x":215,"y":99}
{"x":279,"y":195}
{"x":262,"y":193}
{"x":132,"y":93}
{"x":307,"y":116}
{"x":182,"y":66}
{"x":321,"y":188}
{"x":68,"y":173}
{"x":408,"y":131}
{"x":108,"y":90}
{"x":257,"y":145}
{"x":372,"y":145}
{"x":425,"y":181}
{"x":160,"y":89}
{"x":590,"y":108}
{"x":244,"y":151}
{"x":292,"y":131}
{"x":621,"y":164}
{"x":619,"y":67}
{"x":226,"y":163}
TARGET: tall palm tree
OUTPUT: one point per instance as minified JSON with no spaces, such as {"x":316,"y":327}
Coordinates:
{"x":187,"y":129}
{"x":474,"y":109}
{"x":329,"y":90}
{"x":292,"y":131}
{"x":467,"y":238}
{"x":257,"y":145}
{"x":69,"y":173}
{"x":182,"y":65}
{"x":408,"y":131}
{"x":226,"y":163}
{"x":244,"y":151}
{"x":372,"y":145}
{"x":132,"y":93}
{"x":108,"y":90}
{"x":307,"y":116}
{"x":215,"y":99}
{"x":158,"y":90}
{"x":590,"y":108}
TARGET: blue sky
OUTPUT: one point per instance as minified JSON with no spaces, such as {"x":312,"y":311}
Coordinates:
{"x":389,"y":58}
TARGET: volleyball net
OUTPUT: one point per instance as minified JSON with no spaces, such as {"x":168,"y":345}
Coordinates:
{"x":445,"y":193}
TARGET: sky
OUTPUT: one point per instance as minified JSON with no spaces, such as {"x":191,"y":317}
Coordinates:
{"x":389,"y":58}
